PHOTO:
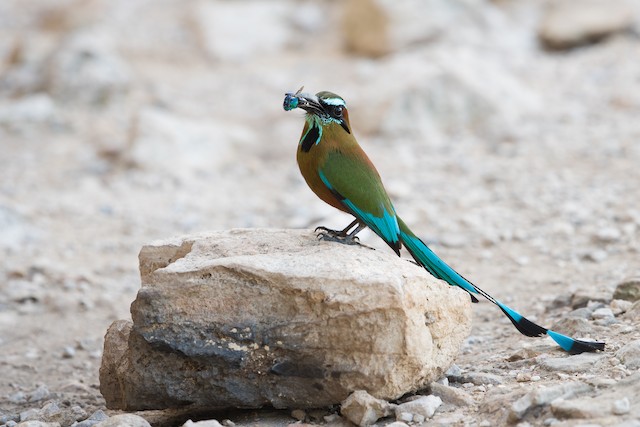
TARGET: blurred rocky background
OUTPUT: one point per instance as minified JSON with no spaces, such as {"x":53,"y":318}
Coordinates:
{"x":506,"y":132}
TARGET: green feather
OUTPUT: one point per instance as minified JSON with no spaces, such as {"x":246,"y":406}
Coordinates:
{"x":358,"y":185}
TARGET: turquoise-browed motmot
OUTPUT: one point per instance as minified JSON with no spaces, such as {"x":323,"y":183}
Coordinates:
{"x":339,"y":172}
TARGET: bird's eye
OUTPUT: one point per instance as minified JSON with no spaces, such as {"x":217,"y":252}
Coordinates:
{"x":337,"y":110}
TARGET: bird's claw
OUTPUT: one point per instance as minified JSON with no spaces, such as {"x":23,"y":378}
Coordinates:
{"x":333,"y":236}
{"x":324,"y":231}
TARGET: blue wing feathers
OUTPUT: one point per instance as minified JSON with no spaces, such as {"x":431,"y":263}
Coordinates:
{"x":385,"y":226}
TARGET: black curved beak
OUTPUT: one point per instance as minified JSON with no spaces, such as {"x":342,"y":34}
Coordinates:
{"x":310,"y":103}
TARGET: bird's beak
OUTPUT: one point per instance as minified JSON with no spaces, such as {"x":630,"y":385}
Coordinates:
{"x":310,"y":103}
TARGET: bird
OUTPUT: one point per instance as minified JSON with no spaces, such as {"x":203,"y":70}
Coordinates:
{"x":339,"y":172}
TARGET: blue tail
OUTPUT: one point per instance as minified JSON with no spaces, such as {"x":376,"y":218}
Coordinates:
{"x":438,"y":268}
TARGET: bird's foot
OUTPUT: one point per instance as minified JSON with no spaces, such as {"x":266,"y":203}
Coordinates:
{"x":329,"y":235}
{"x":329,"y":232}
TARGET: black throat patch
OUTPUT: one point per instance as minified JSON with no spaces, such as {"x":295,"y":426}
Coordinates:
{"x":310,"y":139}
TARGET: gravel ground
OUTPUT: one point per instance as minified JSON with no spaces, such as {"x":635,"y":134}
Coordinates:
{"x":124,"y":122}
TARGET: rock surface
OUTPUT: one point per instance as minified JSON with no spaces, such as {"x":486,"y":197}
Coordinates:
{"x":567,"y":23}
{"x":247,"y":318}
{"x":423,"y":406}
{"x":124,"y":420}
{"x":628,"y":289}
{"x":362,"y":409}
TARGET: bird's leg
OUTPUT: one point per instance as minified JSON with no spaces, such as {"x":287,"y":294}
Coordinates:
{"x":342,"y":236}
{"x":336,"y":233}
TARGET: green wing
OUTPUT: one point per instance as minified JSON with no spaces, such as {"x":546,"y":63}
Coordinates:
{"x":358,"y":186}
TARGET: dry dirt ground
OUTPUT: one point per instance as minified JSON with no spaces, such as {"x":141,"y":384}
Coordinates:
{"x":124,"y":122}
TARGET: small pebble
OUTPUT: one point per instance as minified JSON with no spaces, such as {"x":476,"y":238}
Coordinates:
{"x":607,"y":235}
{"x":41,"y":393}
{"x":628,"y":290}
{"x":523,"y":377}
{"x":418,"y":418}
{"x":331,"y":418}
{"x":597,"y":255}
{"x":621,"y":406}
{"x":129,"y":420}
{"x":602,"y":313}
{"x":452,"y":395}
{"x":363,"y":409}
{"x":481,"y":378}
{"x":454,"y":371}
{"x":443,"y":381}
{"x":620,"y":306}
{"x":6,"y":417}
{"x":581,"y":313}
{"x":94,"y":419}
{"x":629,"y":354}
{"x":68,"y":352}
{"x":423,"y":405}
{"x":29,"y":414}
{"x":32,"y":354}
{"x":17,"y":397}
{"x":473,"y":340}
{"x":523,"y":354}
{"x":605,"y":322}
{"x":298,"y":414}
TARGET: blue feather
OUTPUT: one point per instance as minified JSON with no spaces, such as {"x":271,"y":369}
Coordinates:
{"x":386,"y":226}
{"x":510,"y":312}
{"x":563,"y":341}
{"x":436,"y":266}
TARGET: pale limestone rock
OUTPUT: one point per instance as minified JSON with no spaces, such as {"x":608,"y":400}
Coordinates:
{"x":621,"y":406}
{"x":204,"y":423}
{"x":452,"y":395}
{"x":629,"y":355}
{"x":545,"y":395}
{"x":620,"y":306}
{"x":34,"y":423}
{"x":424,"y":406}
{"x":124,"y":420}
{"x":568,"y":23}
{"x":576,"y":363}
{"x":583,"y":408}
{"x":628,"y":289}
{"x":246,"y":318}
{"x":363,"y":409}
